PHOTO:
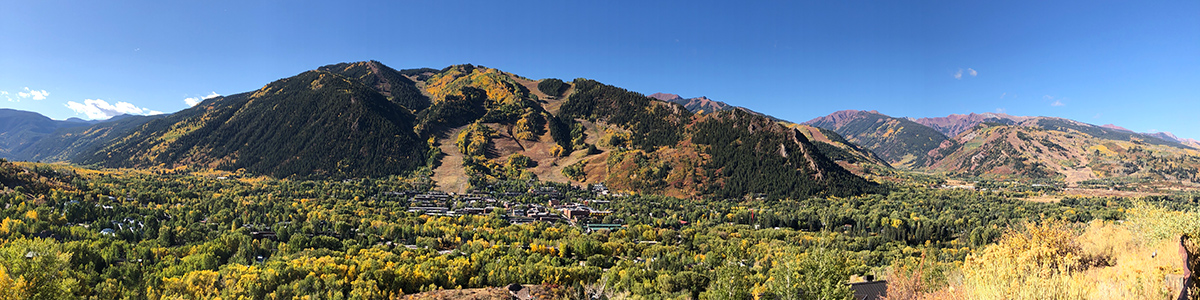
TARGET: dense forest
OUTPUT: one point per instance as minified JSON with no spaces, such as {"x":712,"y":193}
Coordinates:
{"x":152,"y":234}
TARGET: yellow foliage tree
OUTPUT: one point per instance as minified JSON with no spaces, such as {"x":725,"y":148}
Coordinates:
{"x":1030,"y":262}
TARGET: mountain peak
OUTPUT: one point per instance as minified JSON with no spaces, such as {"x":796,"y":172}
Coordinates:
{"x":1111,"y":126}
{"x":665,"y":97}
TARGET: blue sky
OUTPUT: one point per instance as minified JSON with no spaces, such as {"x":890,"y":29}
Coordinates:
{"x":1136,"y":65}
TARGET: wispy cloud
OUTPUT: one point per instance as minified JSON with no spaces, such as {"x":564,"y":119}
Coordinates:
{"x":35,"y":94}
{"x":1003,"y":94}
{"x":968,"y":72}
{"x":97,"y":109}
{"x":192,"y":101}
{"x":1057,"y":100}
{"x":1001,"y":110}
{"x":5,"y":94}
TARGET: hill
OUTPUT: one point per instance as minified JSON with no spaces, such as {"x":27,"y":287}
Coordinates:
{"x":314,"y":124}
{"x":830,"y":143}
{"x":901,"y":142}
{"x":20,"y":129}
{"x":660,"y":145}
{"x":468,"y":126}
{"x":955,"y":124}
{"x":1065,"y":153}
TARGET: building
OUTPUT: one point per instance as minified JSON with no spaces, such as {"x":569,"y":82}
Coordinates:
{"x":598,"y":227}
{"x":870,"y":289}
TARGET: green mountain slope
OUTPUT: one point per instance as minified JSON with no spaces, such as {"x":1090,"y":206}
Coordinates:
{"x":901,"y":142}
{"x":67,"y":144}
{"x":727,"y":153}
{"x":313,"y":124}
{"x":20,"y":129}
{"x":829,"y":142}
{"x":391,"y":83}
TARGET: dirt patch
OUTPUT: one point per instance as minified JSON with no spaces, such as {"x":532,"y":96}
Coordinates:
{"x":450,"y":176}
{"x":465,"y":294}
{"x":1074,"y":176}
{"x":530,"y":292}
{"x":551,"y":104}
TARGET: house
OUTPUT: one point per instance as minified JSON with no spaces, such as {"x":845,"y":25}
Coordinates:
{"x":258,"y":235}
{"x":870,"y":289}
{"x":575,"y":214}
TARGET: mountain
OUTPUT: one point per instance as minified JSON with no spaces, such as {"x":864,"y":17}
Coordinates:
{"x":901,"y":142}
{"x":833,"y":145}
{"x":697,"y":105}
{"x":316,"y":123}
{"x":19,"y":129}
{"x":1065,"y":153}
{"x":395,"y":85}
{"x":954,"y":124}
{"x":66,"y":144}
{"x":837,"y":148}
{"x":1112,"y":126}
{"x":702,"y":105}
{"x":1167,"y":136}
{"x":468,"y":125}
{"x":728,"y":153}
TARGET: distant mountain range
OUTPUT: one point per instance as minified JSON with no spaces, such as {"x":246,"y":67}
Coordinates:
{"x":993,"y":144}
{"x":461,"y":126}
{"x":466,"y":125}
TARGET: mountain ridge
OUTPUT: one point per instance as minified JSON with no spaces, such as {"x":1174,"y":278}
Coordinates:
{"x":364,"y":119}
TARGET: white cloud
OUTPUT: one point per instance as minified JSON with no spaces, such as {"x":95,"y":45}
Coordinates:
{"x":959,"y":74}
{"x":35,"y":94}
{"x":1003,"y":94}
{"x":192,"y":101}
{"x":1001,"y":110}
{"x":97,"y":109}
{"x":1057,"y":100}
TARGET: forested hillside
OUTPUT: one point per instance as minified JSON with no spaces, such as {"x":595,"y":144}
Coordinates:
{"x":314,"y":124}
{"x":901,"y":142}
{"x":20,"y":129}
{"x":473,"y":124}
